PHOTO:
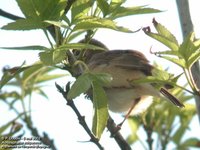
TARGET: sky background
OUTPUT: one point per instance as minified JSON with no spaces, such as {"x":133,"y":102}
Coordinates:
{"x":53,"y":116}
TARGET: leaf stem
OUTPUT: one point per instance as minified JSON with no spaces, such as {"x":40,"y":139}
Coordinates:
{"x":189,"y":78}
{"x":45,"y":32}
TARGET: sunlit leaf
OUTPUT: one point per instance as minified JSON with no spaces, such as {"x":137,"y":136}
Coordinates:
{"x":100,"y":109}
{"x":81,"y":85}
{"x":179,"y":62}
{"x":32,"y":70}
{"x":41,"y":92}
{"x":11,"y":73}
{"x":127,"y":11}
{"x":48,"y":77}
{"x":168,"y":52}
{"x":197,"y":43}
{"x":75,"y":34}
{"x":164,"y":32}
{"x":187,"y":48}
{"x":95,"y":23}
{"x":80,"y":8}
{"x":25,"y":24}
{"x":6,"y":95}
{"x":134,"y":125}
{"x":32,"y":47}
{"x":43,"y":10}
{"x":170,"y":44}
{"x":52,"y":57}
{"x":115,"y":4}
{"x":57,"y":23}
{"x":58,"y":56}
{"x":185,"y":117}
{"x":79,"y":46}
{"x":46,"y":57}
{"x":102,"y":78}
{"x":7,"y":125}
{"x":104,"y":6}
{"x":194,"y":57}
{"x":191,"y":142}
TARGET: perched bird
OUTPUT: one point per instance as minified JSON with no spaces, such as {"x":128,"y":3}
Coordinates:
{"x":125,"y":66}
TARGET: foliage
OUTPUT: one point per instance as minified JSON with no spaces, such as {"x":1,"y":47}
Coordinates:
{"x":64,"y":21}
{"x":161,"y":119}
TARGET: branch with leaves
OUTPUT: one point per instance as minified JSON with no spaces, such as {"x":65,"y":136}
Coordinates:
{"x":65,"y":21}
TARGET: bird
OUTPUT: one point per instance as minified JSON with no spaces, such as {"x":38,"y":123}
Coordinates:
{"x":125,"y":66}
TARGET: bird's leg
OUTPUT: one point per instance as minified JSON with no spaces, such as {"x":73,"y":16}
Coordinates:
{"x":129,"y":112}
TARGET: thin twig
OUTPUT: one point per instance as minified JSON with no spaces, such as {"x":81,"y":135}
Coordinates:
{"x":110,"y":124}
{"x":80,"y":117}
{"x":112,"y":127}
{"x":149,"y":132}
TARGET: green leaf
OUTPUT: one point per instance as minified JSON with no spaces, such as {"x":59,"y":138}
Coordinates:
{"x":10,"y":74}
{"x":79,"y":46}
{"x":81,"y":85}
{"x":127,"y":11}
{"x":6,"y":95}
{"x":104,"y":6}
{"x":4,"y":127}
{"x":25,"y":24}
{"x":186,"y":116}
{"x":179,"y":134}
{"x":197,"y":43}
{"x":165,"y":32}
{"x":177,"y":61}
{"x":75,"y":35}
{"x":36,"y":12}
{"x":164,"y":40}
{"x":28,"y":73}
{"x":187,"y":47}
{"x":169,"y":52}
{"x":161,"y":74}
{"x":115,"y":4}
{"x":48,"y":77}
{"x":95,"y":23}
{"x":58,"y":56}
{"x":32,"y":47}
{"x":191,"y":142}
{"x":52,"y":57}
{"x":40,"y":92}
{"x":102,"y":78}
{"x":194,"y":57}
{"x":80,"y":8}
{"x":46,"y":57}
{"x":100,"y":109}
{"x":134,"y":125}
{"x":42,"y":10}
{"x":57,"y":23}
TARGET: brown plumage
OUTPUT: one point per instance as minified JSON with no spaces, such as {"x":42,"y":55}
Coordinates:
{"x":125,"y":66}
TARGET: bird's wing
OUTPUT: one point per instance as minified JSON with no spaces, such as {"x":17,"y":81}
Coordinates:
{"x":126,"y":59}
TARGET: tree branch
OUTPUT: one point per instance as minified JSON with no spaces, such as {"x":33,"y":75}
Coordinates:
{"x":80,"y":117}
{"x":112,"y":127}
{"x":110,"y":124}
{"x":187,"y":27}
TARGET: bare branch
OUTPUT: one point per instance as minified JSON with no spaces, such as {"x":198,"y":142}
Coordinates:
{"x":80,"y":117}
{"x":112,"y":127}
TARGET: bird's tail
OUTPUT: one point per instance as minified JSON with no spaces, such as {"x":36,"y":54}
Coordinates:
{"x":172,"y":98}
